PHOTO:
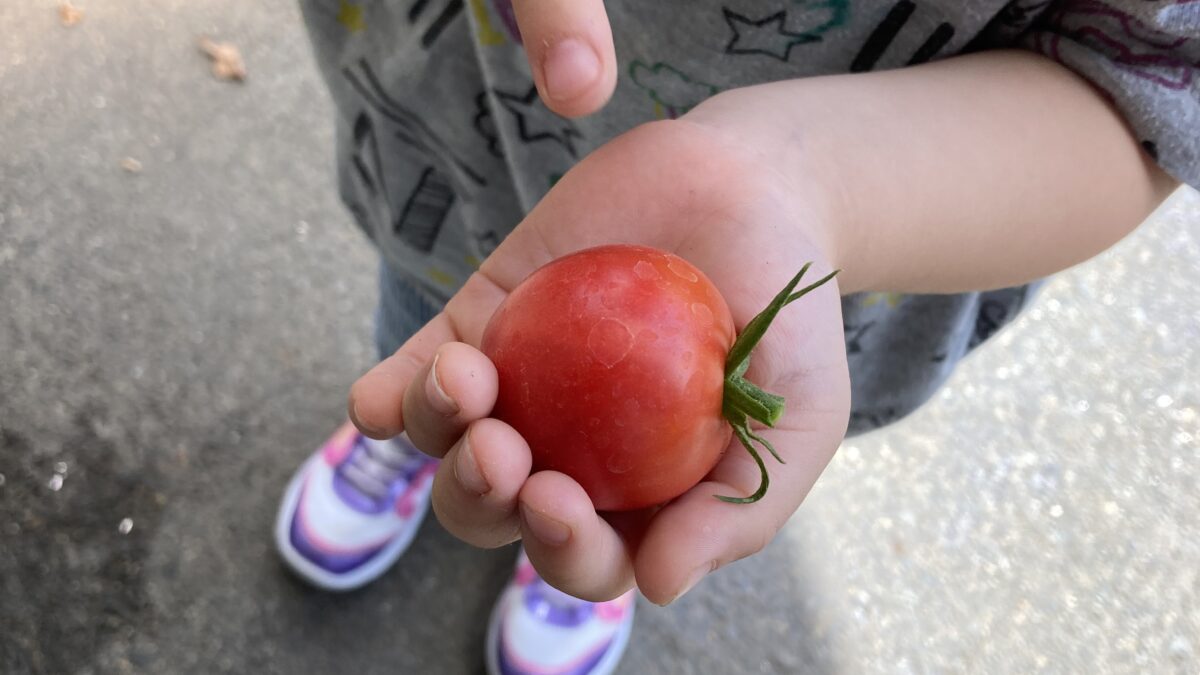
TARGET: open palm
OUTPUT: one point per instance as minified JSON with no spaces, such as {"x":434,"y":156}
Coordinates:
{"x":678,"y":186}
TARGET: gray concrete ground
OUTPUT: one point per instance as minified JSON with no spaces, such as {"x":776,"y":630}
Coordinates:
{"x":174,"y":342}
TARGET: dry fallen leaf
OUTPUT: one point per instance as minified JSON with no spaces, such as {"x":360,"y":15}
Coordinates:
{"x":131,"y":165}
{"x":226,"y":60}
{"x":69,"y":14}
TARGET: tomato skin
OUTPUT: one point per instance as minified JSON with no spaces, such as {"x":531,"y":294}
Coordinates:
{"x":611,"y":366}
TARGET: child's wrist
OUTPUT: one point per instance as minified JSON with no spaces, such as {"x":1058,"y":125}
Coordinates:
{"x":819,"y":203}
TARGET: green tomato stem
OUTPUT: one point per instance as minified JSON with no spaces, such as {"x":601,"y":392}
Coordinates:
{"x":744,"y":400}
{"x":743,"y":434}
{"x":747,"y":398}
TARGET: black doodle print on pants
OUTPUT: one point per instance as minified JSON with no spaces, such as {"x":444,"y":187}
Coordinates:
{"x":449,"y":12}
{"x":933,"y":44}
{"x":421,"y":217}
{"x":887,"y":30}
{"x":766,"y":37}
{"x":485,"y":124}
{"x":425,"y":211}
{"x":487,"y":241}
{"x":1019,"y":15}
{"x":368,"y":166}
{"x":408,"y":126}
{"x":535,"y":122}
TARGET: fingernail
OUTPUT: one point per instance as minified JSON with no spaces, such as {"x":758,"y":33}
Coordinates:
{"x":466,"y":470}
{"x":546,"y":529}
{"x":439,"y":400}
{"x":570,"y":68}
{"x":367,"y":429}
{"x":693,"y":579}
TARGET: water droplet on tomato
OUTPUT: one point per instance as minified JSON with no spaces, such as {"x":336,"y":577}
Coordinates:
{"x":619,"y":462}
{"x":645,"y":270}
{"x":609,"y":341}
{"x":702,"y":313}
{"x":681,"y":269}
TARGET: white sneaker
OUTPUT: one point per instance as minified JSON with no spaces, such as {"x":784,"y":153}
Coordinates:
{"x":353,"y":508}
{"x":537,"y":629}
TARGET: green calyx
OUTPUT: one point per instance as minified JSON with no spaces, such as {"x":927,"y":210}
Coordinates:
{"x":745,"y":401}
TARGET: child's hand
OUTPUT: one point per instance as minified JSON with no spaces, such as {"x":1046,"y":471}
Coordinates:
{"x":678,"y":186}
{"x":926,"y":179}
{"x":570,"y":49}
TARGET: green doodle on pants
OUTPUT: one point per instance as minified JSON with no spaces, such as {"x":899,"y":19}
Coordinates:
{"x":672,"y":91}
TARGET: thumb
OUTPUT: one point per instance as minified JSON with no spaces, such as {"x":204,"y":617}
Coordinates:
{"x":570,"y":49}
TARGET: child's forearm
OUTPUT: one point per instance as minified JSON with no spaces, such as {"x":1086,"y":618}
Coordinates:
{"x":976,"y":172}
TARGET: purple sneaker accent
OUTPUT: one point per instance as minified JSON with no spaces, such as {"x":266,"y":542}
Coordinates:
{"x":582,"y":667}
{"x":555,"y":607}
{"x":329,"y":561}
{"x":353,"y":497}
{"x":370,"y":478}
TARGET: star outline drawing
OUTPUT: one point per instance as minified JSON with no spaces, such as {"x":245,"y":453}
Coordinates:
{"x":523,"y":106}
{"x":779,"y":50}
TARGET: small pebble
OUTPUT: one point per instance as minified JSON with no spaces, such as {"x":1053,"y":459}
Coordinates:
{"x":68,"y":14}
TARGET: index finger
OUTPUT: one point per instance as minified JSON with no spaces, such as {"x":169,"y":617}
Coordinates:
{"x":570,"y":49}
{"x":376,"y":399}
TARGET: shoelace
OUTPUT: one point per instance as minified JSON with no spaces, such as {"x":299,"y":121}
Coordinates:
{"x":373,"y":466}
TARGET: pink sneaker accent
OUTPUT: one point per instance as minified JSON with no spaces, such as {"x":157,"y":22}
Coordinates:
{"x":339,"y":444}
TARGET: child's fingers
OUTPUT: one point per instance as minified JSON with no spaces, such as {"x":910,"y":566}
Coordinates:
{"x":572,"y":547}
{"x":570,"y":49}
{"x":476,"y":486}
{"x":456,"y":388}
{"x":377,"y":397}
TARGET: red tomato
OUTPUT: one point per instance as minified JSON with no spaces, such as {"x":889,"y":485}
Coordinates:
{"x":612,"y":366}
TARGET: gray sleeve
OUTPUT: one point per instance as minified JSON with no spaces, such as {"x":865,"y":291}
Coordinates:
{"x":1146,"y":56}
